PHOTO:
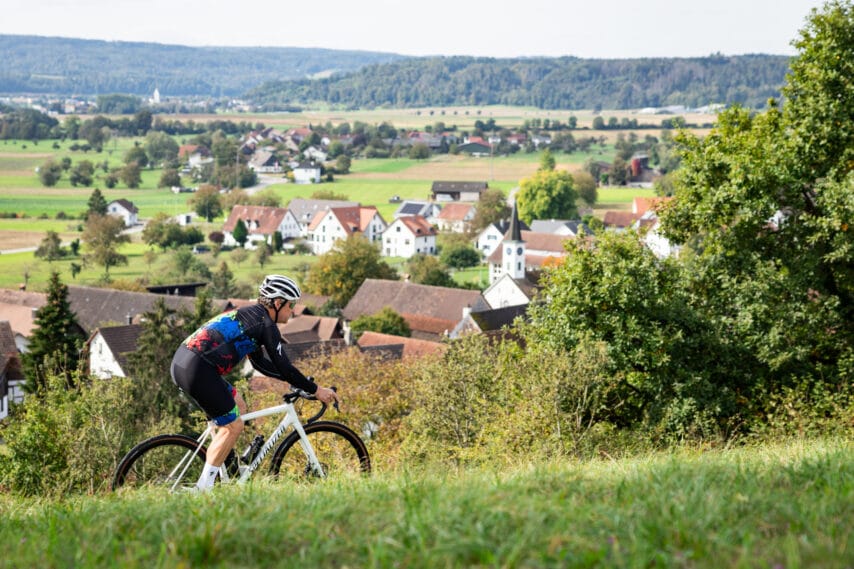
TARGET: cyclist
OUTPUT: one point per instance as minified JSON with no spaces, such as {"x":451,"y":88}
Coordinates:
{"x":221,"y":344}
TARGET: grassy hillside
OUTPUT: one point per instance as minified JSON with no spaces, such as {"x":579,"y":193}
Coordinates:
{"x":781,"y":505}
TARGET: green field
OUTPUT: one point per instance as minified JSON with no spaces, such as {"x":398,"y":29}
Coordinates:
{"x":777,"y":505}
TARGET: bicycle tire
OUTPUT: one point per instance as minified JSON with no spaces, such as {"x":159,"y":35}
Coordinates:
{"x":340,"y":451}
{"x":150,"y":462}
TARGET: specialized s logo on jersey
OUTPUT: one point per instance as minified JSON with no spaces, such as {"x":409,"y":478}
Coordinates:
{"x":279,"y":349}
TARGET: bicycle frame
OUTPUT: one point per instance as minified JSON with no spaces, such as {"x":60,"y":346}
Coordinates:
{"x":290,"y":419}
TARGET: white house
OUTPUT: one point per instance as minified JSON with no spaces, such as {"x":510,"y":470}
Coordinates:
{"x":508,"y":291}
{"x":11,"y":375}
{"x":408,"y":235}
{"x":124,"y":209}
{"x":307,"y":173}
{"x":261,"y":223}
{"x":304,"y":210}
{"x":563,"y":227}
{"x":455,"y":217}
{"x":107,"y":349}
{"x":341,"y":222}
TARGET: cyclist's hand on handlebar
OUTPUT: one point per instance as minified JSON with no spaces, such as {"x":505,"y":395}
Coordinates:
{"x":326,"y":395}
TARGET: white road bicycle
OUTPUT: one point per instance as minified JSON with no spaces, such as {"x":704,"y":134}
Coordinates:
{"x":313,"y":449}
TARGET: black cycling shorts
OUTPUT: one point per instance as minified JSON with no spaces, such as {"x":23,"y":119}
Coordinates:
{"x":200,"y":380}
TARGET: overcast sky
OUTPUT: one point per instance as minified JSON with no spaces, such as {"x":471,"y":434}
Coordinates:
{"x":497,"y":28}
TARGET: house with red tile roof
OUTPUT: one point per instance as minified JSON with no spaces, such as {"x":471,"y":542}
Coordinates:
{"x":261,"y":222}
{"x":408,"y":235}
{"x":336,"y":223}
{"x":455,"y":217}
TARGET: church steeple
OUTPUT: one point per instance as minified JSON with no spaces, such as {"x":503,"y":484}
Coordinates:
{"x":513,"y":257}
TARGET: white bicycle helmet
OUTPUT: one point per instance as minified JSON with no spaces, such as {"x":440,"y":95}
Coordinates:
{"x":279,"y":286}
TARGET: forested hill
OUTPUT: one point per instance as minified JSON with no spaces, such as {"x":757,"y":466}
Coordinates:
{"x":62,"y":66}
{"x":548,"y":83}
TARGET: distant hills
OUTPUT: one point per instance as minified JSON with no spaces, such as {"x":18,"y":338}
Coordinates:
{"x":63,"y":66}
{"x":280,"y":78}
{"x":546,"y":83}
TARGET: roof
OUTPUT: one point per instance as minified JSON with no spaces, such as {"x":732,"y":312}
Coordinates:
{"x":497,"y":318}
{"x":268,"y":218}
{"x":534,"y":241}
{"x":455,"y":187}
{"x":555,"y":225}
{"x":311,"y":328}
{"x":96,"y":307}
{"x":122,"y":340}
{"x":417,"y":225}
{"x":514,"y":232}
{"x":410,"y":207}
{"x":126,"y":204}
{"x":641,"y":205}
{"x":352,"y":219}
{"x":412,"y":347}
{"x":455,"y":212}
{"x":432,"y":325}
{"x":10,"y":360}
{"x":410,"y":298}
{"x":305,"y":210}
{"x":619,"y":218}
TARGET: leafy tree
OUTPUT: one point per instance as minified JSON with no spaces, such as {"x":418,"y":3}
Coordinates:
{"x":460,"y":255}
{"x":163,"y":329}
{"x":240,"y":233}
{"x":278,"y":242}
{"x":222,"y":282}
{"x":548,"y":194}
{"x":102,"y":236}
{"x":169,"y":178}
{"x":386,"y":321}
{"x":419,"y":151}
{"x":97,"y":204}
{"x":136,"y":154}
{"x":341,"y":271}
{"x":161,"y":148}
{"x":428,"y":270}
{"x":586,"y":187}
{"x":55,"y":342}
{"x":547,"y":161}
{"x":50,"y":248}
{"x":342,"y":164}
{"x":675,"y":370}
{"x":82,"y":174}
{"x":238,"y":255}
{"x":184,"y":263}
{"x":491,"y":208}
{"x":131,"y":175}
{"x":206,"y":202}
{"x":766,"y":201}
{"x":262,"y":254}
{"x":328,"y":195}
{"x":49,"y":173}
{"x":162,"y":231}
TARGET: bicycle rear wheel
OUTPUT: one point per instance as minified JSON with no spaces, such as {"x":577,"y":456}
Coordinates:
{"x":340,"y":451}
{"x":169,"y":461}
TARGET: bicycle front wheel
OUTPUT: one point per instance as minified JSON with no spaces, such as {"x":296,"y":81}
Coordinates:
{"x":166,"y":461}
{"x":339,"y":450}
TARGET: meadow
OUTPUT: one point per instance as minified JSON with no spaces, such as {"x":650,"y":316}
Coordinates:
{"x":786,"y":504}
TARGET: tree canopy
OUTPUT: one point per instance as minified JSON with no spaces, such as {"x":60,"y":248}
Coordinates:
{"x":340,"y":272}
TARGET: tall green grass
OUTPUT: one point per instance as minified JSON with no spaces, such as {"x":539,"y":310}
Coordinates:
{"x":781,"y":505}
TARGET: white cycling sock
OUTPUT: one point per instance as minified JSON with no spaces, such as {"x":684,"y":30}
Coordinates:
{"x":206,"y":480}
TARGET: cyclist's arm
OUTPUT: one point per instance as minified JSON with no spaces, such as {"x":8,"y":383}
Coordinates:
{"x":278,"y":366}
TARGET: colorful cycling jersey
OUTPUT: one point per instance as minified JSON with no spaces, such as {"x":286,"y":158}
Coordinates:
{"x":224,"y":340}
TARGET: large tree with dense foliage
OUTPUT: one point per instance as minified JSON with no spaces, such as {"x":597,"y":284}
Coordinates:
{"x":548,"y":194}
{"x":103,"y":236}
{"x":340,"y":272}
{"x":54,"y":347}
{"x":766,"y":201}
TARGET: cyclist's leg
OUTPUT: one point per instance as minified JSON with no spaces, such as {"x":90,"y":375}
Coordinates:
{"x":217,"y":398}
